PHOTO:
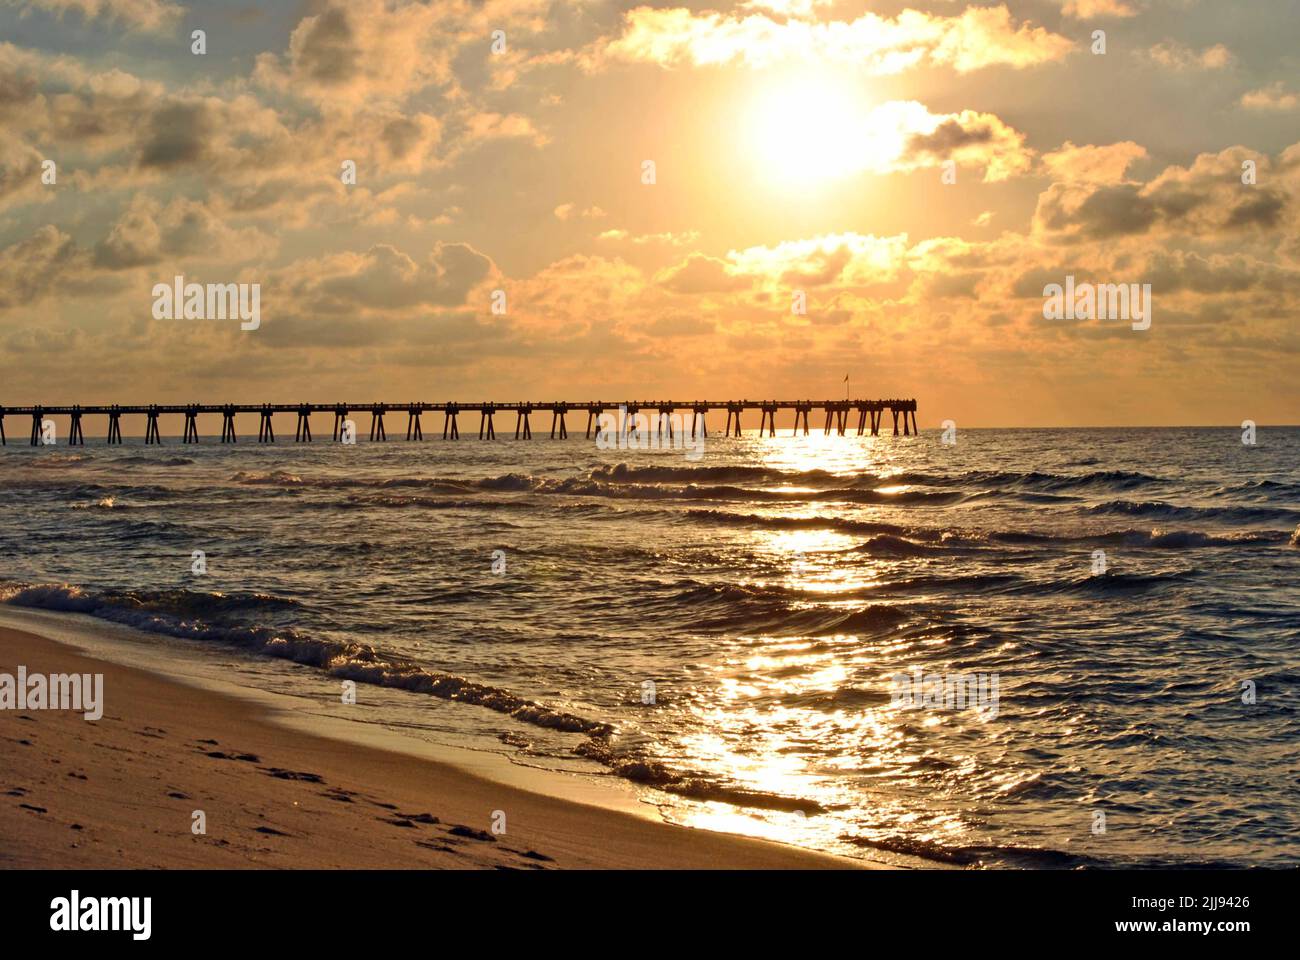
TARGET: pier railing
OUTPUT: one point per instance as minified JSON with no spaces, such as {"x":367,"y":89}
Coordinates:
{"x":870,"y":414}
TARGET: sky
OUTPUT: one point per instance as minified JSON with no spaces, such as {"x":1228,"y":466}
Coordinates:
{"x":600,"y":200}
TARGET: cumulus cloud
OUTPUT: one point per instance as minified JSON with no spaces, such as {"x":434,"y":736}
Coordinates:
{"x":30,"y":269}
{"x":1204,"y":199}
{"x":150,"y":233}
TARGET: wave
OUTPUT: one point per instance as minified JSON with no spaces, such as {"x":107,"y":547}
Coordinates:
{"x":922,"y":541}
{"x":769,"y":522}
{"x":160,"y":462}
{"x":888,"y":546}
{"x":777,"y":609}
{"x":176,"y":613}
{"x":1036,"y":479}
{"x":55,"y":461}
{"x":626,"y":473}
{"x":1155,"y":538}
{"x":588,"y":487}
{"x":1173,"y":511}
{"x":691,"y":785}
{"x":1042,"y":858}
{"x":103,"y":503}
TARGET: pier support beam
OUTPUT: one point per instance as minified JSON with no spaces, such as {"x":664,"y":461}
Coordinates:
{"x":4,"y":441}
{"x":449,"y":423}
{"x":523,"y":428}
{"x":228,"y":424}
{"x":151,"y":434}
{"x":733,"y":416}
{"x":38,"y":415}
{"x":377,"y":422}
{"x":191,"y":432}
{"x":265,"y":431}
{"x":557,"y":420}
{"x":114,"y":425}
{"x":302,"y":429}
{"x":800,"y":418}
{"x":340,"y":418}
{"x":76,"y":438}
{"x":485,"y":429}
{"x":665,"y":419}
{"x":413,"y":429}
{"x":699,"y":420}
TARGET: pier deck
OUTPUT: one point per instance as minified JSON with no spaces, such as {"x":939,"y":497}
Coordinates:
{"x":657,"y":415}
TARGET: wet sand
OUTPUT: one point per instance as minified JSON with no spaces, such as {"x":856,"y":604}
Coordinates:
{"x":122,"y":791}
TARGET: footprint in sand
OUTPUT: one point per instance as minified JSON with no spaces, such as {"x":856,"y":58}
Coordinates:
{"x":281,"y":774}
{"x":460,"y":830}
{"x":441,"y":848}
{"x":420,"y":817}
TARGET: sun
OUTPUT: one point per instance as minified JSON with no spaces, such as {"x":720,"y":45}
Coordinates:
{"x":807,"y":131}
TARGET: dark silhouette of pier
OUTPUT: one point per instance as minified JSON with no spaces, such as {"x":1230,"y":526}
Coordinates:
{"x":870,"y":414}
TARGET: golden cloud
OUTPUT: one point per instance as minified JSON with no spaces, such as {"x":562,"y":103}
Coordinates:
{"x":978,"y":37}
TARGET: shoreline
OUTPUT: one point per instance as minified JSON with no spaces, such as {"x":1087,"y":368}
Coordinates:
{"x":122,"y":791}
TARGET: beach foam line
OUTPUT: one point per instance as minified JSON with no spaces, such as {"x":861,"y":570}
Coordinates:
{"x":176,"y":613}
{"x":363,"y":664}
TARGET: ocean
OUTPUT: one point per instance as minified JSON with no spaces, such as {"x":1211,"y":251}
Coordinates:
{"x":740,"y":639}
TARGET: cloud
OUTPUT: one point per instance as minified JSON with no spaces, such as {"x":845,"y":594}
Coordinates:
{"x":968,"y":139}
{"x":1205,"y":199}
{"x":702,"y":274}
{"x":1092,"y":164}
{"x":149,"y":233}
{"x":151,"y":15}
{"x":667,"y":238}
{"x":1274,"y":97}
{"x":979,"y":37}
{"x":570,"y":211}
{"x":20,"y":172}
{"x":31,"y":268}
{"x":1086,"y":9}
{"x":384,"y":278}
{"x":1175,"y":56}
{"x":360,"y":52}
{"x":770,"y":272}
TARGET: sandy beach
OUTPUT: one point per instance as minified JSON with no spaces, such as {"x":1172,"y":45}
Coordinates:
{"x":122,"y":791}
